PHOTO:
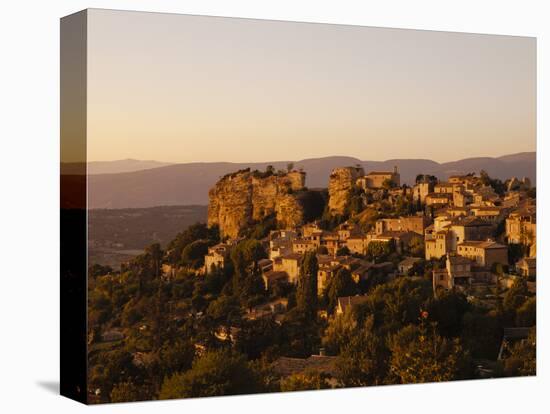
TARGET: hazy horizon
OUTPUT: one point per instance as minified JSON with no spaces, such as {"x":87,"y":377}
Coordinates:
{"x":308,"y":158}
{"x":179,"y":89}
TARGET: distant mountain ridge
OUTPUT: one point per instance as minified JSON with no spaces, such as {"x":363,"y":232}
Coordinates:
{"x":188,"y":184}
{"x":113,"y":167}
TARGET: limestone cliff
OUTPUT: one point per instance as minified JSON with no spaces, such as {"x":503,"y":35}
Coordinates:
{"x":341,"y":182}
{"x":239,"y":199}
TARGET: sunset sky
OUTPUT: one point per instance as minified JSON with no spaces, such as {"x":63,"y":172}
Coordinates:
{"x":186,"y":88}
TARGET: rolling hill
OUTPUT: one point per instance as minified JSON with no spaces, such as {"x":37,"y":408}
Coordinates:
{"x":188,"y":184}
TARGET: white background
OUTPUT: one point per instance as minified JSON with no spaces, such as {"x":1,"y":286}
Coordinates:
{"x":29,"y":245}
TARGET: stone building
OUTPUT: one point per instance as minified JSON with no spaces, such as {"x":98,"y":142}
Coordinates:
{"x":272,"y":278}
{"x":290,"y":264}
{"x":415,"y":224}
{"x":437,"y":244}
{"x":421,"y":190}
{"x":469,"y":228}
{"x":346,"y":303}
{"x":457,"y":271}
{"x":521,"y":227}
{"x":493,"y":214}
{"x":216,"y":257}
{"x":438,"y":200}
{"x":357,"y":244}
{"x":304,"y":245}
{"x":484,"y":253}
{"x":347,"y":230}
{"x":377,"y":179}
{"x":527,"y":267}
{"x":462,"y":199}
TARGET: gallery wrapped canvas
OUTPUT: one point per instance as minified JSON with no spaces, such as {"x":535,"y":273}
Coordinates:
{"x":254,"y":206}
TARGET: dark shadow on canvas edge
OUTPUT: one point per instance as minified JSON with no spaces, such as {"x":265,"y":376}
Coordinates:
{"x":50,"y":386}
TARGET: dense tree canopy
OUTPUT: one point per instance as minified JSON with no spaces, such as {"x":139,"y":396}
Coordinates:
{"x":215,"y":373}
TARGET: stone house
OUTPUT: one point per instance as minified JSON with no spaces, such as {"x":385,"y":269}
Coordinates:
{"x":216,"y":257}
{"x":446,"y":188}
{"x":346,"y":303}
{"x":362,"y":272}
{"x":302,"y":246}
{"x":332,"y":242}
{"x":347,"y":230}
{"x":438,"y":245}
{"x":280,"y":242}
{"x":376,"y":179}
{"x":457,"y":272}
{"x":416,"y":223}
{"x":483,"y":253}
{"x":485,"y":196}
{"x":457,"y":211}
{"x":290,"y":264}
{"x":357,"y":244}
{"x":272,"y":278}
{"x":421,"y":190}
{"x":309,"y":228}
{"x":527,"y":267}
{"x":521,"y":227}
{"x":438,"y":200}
{"x":462,"y":199}
{"x":493,"y":214}
{"x":469,"y":228}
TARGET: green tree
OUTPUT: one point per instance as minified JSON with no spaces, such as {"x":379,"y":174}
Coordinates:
{"x":395,"y":304}
{"x":448,"y":310}
{"x":156,"y":254}
{"x":523,"y":357}
{"x":343,"y":251}
{"x":99,"y":270}
{"x":215,"y":373}
{"x":419,"y":354}
{"x":259,"y":337}
{"x":379,"y":250}
{"x":364,"y":359}
{"x":224,"y":309}
{"x":198,"y":231}
{"x":176,"y":356}
{"x":300,"y":334}
{"x":339,"y":332}
{"x":306,"y":293}
{"x":516,"y":296}
{"x":481,"y":334}
{"x":304,"y":381}
{"x":126,"y":391}
{"x":193,"y":254}
{"x":526,"y":314}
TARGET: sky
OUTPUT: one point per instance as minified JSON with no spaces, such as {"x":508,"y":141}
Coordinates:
{"x":180,"y":88}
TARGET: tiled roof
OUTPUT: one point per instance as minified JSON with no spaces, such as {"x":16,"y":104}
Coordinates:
{"x":482,"y":244}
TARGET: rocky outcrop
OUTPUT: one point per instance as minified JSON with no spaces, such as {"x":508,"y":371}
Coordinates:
{"x":242,"y":198}
{"x":341,"y":182}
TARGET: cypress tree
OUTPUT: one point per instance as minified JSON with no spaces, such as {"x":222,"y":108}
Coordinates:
{"x":306,"y":295}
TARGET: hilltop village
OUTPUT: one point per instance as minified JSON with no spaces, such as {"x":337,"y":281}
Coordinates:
{"x":290,"y":288}
{"x":463,"y":223}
